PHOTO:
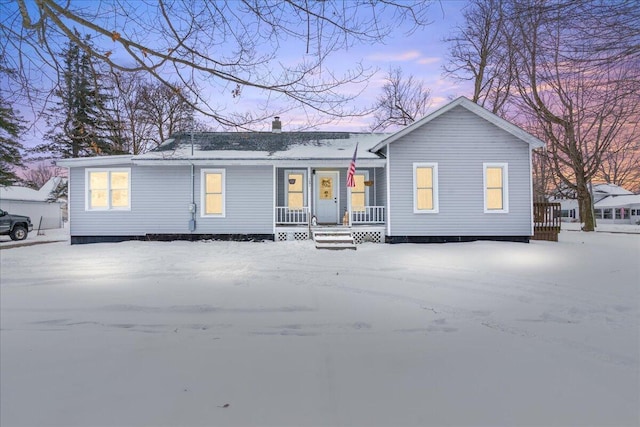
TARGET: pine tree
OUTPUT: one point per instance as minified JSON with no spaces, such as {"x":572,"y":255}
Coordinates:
{"x":10,"y":146}
{"x":11,"y":126}
{"x":82,"y":126}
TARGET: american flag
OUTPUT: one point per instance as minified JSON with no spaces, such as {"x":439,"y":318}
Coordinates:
{"x":352,"y":169}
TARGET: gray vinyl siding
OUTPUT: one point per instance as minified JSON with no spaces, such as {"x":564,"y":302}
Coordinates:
{"x":160,"y":198}
{"x":380,"y":186}
{"x":249,"y":202}
{"x":459,"y":142}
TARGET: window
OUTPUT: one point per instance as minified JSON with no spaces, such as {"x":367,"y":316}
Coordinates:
{"x":622,"y":213}
{"x":496,"y":191}
{"x":598,"y":213}
{"x":425,"y":188}
{"x":213,"y":192}
{"x":607,"y":214}
{"x":359,"y":192}
{"x":295,"y":183}
{"x":108,"y":189}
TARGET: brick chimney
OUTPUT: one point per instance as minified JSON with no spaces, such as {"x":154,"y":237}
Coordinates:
{"x":276,"y":125}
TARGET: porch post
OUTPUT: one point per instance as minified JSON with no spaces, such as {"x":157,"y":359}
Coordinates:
{"x":349,"y":205}
{"x":309,"y":187}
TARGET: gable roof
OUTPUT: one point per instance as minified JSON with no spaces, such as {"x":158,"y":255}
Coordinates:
{"x":610,"y":190}
{"x":474,"y":108}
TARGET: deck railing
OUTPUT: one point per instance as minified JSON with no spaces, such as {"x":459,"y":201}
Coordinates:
{"x":367,"y":215}
{"x":287,"y":215}
{"x":546,"y":221}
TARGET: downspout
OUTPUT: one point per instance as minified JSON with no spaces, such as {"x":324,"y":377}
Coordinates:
{"x":192,"y":206}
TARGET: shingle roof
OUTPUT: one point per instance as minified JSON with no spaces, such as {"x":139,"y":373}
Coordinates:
{"x":265,"y":146}
{"x":250,"y":141}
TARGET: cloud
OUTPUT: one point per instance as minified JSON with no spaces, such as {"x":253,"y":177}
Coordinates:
{"x":395,"y":57}
{"x":429,"y":60}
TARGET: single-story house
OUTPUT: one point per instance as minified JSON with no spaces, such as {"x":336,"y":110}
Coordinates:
{"x":36,"y":204}
{"x":569,"y":205}
{"x":461,"y":173}
{"x":622,"y":209}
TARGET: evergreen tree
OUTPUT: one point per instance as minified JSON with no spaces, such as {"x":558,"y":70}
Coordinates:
{"x":82,"y":126}
{"x":10,"y":147}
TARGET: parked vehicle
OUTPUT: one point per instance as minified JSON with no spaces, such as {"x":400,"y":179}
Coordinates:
{"x":15,"y":226}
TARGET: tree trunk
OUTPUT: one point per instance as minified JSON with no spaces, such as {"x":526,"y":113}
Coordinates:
{"x":585,"y":206}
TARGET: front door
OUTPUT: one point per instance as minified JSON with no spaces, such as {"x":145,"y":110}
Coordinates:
{"x":327,"y":197}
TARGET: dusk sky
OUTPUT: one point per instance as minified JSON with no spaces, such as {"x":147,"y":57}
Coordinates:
{"x":421,"y":54}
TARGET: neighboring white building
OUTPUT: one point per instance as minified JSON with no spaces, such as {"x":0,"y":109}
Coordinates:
{"x":623,"y":209}
{"x":600,"y":192}
{"x":34,"y":204}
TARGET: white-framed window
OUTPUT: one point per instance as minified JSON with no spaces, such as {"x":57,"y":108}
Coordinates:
{"x":295,"y":188}
{"x":359,"y":193}
{"x":496,"y":188}
{"x":425,"y":188}
{"x":212,"y":183}
{"x":108,"y":189}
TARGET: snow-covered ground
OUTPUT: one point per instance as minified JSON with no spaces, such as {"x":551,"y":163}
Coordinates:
{"x":257,"y":334}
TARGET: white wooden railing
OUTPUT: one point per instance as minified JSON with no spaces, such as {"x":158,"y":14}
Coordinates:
{"x":367,"y":215}
{"x":286,"y":215}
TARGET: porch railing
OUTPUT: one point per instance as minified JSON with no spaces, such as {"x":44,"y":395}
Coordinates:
{"x":546,"y":221}
{"x":287,"y":215}
{"x":367,"y":215}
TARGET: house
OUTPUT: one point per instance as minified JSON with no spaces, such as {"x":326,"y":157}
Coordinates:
{"x":570,"y":210}
{"x":36,"y":204}
{"x":461,"y":173}
{"x":618,"y":209}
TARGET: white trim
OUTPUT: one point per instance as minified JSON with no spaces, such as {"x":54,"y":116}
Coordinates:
{"x":531,"y":190}
{"x":316,"y":192}
{"x":99,"y":161}
{"x":109,"y":208}
{"x":388,"y":201}
{"x":275,"y":199}
{"x":303,"y":172}
{"x":436,"y":202}
{"x":281,"y":163}
{"x":309,"y":184}
{"x":203,"y":205}
{"x":505,"y":187}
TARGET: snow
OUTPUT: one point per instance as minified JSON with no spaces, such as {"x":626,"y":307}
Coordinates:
{"x":320,"y":150}
{"x":482,"y":333}
{"x":617,"y":201}
{"x":29,"y":194}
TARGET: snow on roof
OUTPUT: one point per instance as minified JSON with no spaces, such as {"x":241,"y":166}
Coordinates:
{"x":266,"y":146}
{"x":29,"y":194}
{"x":618,"y":201}
{"x":610,"y":189}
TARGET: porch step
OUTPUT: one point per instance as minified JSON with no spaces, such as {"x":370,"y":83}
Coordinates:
{"x":334,"y":240}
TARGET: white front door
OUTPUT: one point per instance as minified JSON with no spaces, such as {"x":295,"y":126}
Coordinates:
{"x":327,"y":197}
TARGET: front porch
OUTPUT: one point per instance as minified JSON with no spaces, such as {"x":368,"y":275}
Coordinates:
{"x":309,"y":199}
